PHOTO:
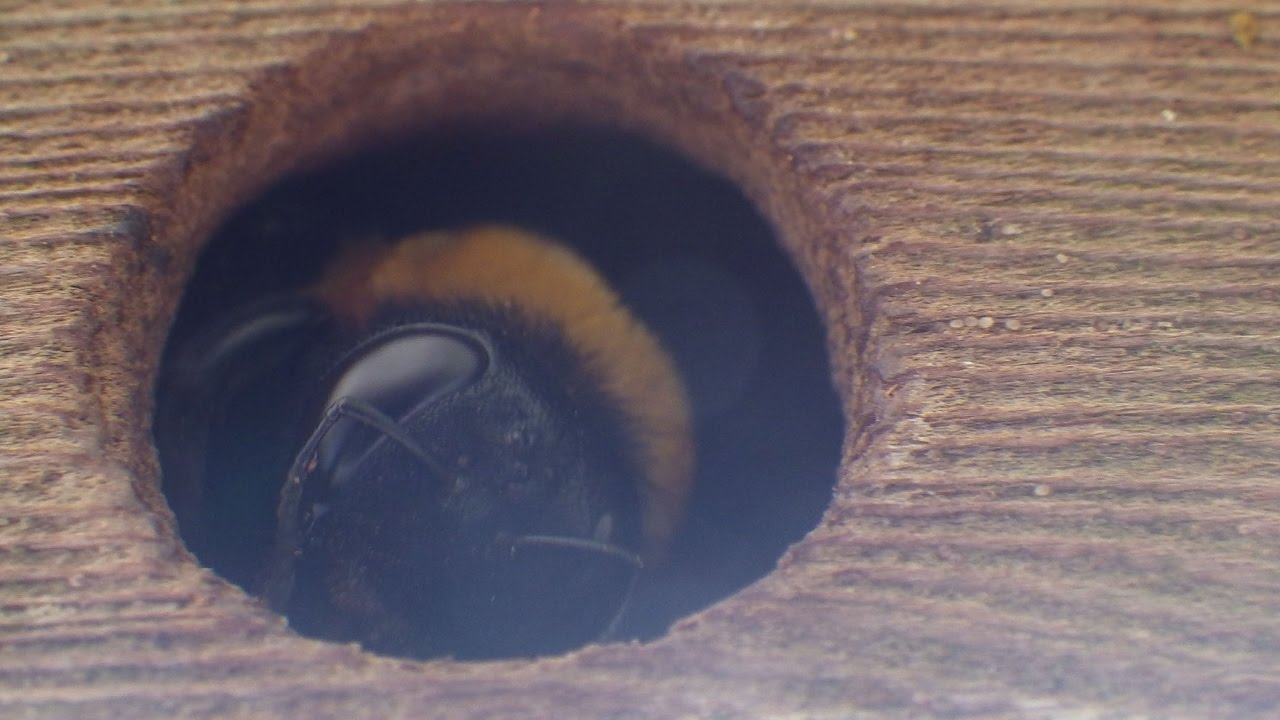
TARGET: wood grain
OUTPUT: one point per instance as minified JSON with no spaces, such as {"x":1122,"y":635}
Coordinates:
{"x":1043,"y":234}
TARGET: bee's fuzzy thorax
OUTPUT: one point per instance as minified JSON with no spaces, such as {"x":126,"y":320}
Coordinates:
{"x":512,"y":268}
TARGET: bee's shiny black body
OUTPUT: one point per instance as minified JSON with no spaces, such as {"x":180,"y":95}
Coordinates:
{"x":447,"y":474}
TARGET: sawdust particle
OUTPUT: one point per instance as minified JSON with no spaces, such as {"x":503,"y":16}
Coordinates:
{"x":1244,"y":29}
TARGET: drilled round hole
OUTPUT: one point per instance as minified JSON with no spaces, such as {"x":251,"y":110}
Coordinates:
{"x":687,"y":254}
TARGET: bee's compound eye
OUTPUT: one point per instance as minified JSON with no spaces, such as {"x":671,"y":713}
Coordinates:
{"x":405,"y":371}
{"x":396,"y":376}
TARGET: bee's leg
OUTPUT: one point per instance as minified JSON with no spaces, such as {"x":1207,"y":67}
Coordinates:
{"x":201,"y":373}
{"x":600,"y":549}
{"x":278,"y":582}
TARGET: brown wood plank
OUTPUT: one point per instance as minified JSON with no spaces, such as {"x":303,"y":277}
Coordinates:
{"x":1044,"y":234}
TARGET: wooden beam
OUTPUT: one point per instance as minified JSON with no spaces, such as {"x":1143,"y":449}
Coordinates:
{"x":1043,"y":235}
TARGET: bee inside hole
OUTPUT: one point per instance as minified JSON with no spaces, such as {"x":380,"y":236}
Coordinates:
{"x":496,"y":394}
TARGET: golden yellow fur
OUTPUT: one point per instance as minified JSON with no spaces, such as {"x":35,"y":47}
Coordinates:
{"x":509,"y":266}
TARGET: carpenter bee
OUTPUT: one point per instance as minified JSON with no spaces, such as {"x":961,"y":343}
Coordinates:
{"x":458,"y":444}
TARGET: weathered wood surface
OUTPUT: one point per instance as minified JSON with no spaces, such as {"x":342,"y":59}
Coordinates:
{"x":1045,"y":234}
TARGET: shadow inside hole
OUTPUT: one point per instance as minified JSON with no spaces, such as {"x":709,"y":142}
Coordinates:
{"x":685,"y":249}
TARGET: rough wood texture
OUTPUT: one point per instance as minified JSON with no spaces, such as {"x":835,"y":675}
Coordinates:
{"x":1044,"y":234}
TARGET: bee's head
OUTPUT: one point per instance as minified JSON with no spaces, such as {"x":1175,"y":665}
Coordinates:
{"x":459,"y":496}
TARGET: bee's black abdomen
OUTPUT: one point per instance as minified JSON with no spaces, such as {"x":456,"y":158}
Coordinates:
{"x":410,"y":564}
